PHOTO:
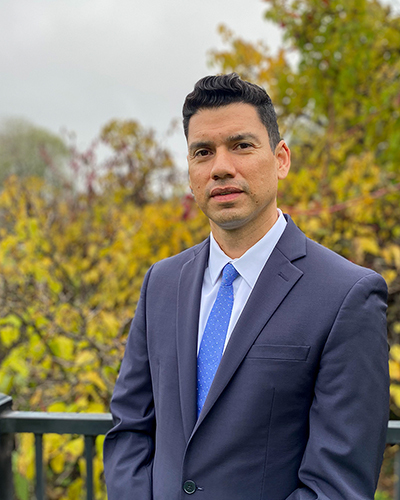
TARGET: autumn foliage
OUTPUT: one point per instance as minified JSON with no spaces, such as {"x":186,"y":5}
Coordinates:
{"x":72,"y":263}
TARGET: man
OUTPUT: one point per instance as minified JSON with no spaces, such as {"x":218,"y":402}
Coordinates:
{"x":256,"y":364}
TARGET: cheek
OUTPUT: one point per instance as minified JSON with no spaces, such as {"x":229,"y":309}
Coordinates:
{"x":267,"y":178}
{"x":196,"y":189}
{"x":196,"y":181}
{"x":199,"y":196}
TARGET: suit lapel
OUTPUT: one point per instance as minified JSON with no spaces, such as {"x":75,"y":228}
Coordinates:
{"x":189,"y":295}
{"x":274,"y":283}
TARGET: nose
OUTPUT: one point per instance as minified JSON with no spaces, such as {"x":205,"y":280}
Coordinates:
{"x":223,"y":165}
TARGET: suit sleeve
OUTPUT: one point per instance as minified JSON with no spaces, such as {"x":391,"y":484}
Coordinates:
{"x":349,"y":413}
{"x":129,"y":445}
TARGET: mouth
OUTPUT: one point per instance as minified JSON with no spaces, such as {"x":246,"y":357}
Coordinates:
{"x":225,"y":193}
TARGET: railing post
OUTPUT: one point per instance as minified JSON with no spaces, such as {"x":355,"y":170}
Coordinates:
{"x":6,"y":448}
{"x":89,"y":452}
{"x":40,"y":486}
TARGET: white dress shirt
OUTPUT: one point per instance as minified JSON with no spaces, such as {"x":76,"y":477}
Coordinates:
{"x":249,"y":266}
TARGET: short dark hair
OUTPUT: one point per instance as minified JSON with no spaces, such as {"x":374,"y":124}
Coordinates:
{"x":221,"y":90}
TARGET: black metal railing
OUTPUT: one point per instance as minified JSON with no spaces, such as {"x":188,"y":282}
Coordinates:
{"x":90,"y":425}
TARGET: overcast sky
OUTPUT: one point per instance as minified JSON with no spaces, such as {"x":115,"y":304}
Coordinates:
{"x":76,"y":64}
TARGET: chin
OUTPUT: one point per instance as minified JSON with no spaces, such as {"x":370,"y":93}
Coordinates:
{"x":231,"y":223}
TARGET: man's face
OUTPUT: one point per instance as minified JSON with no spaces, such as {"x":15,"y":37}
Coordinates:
{"x":232,"y":170}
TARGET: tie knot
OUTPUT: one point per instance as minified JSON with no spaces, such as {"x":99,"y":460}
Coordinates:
{"x":229,"y":274}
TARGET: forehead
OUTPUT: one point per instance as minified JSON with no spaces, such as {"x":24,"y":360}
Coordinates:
{"x":224,"y":121}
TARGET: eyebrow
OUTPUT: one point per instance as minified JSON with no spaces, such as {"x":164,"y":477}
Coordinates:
{"x":242,"y":137}
{"x":231,"y":138}
{"x":199,"y":145}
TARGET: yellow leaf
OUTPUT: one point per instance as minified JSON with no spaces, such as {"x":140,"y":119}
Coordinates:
{"x":395,"y":393}
{"x":62,"y":347}
{"x":57,"y":407}
{"x":394,"y":370}
{"x":369,"y":245}
{"x":8,"y":334}
{"x":94,"y":378}
{"x":395,"y":352}
{"x":390,"y":275}
{"x":74,"y":448}
{"x":84,"y":358}
{"x":57,"y":463}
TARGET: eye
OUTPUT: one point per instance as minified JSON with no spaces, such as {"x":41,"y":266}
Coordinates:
{"x":201,"y":152}
{"x":244,"y":145}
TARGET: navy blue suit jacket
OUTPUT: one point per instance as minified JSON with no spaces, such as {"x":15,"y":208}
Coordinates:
{"x":299,"y":405}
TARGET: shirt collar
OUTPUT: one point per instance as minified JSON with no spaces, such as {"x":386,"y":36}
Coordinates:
{"x":251,"y":263}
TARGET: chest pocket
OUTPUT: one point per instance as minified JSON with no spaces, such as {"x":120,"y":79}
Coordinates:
{"x":279,"y":352}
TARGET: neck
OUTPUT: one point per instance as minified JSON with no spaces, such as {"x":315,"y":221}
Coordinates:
{"x":235,"y":242}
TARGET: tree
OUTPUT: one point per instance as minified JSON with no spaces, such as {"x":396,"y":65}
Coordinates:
{"x":27,"y":150}
{"x":140,"y":162}
{"x":72,"y":264}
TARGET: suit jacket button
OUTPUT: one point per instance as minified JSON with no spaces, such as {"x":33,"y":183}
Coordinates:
{"x":189,"y":487}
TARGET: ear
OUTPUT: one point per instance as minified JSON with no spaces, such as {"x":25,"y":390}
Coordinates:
{"x":282,"y":155}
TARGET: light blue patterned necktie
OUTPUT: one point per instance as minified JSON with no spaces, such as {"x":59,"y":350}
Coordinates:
{"x":213,"y":341}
